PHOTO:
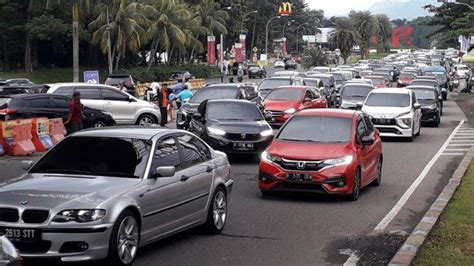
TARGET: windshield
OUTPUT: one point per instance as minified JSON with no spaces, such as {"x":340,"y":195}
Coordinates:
{"x":285,"y":95}
{"x":213,"y":93}
{"x":338,"y":78}
{"x":325,"y":81}
{"x":98,"y":156}
{"x":234,"y":111}
{"x":270,"y":84}
{"x":356,"y":91}
{"x":425,"y":95}
{"x":317,"y":129}
{"x":312,"y":83}
{"x":462,"y":68}
{"x":388,"y":100}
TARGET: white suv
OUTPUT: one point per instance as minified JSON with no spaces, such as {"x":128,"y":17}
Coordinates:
{"x":124,"y":108}
{"x":395,"y":112}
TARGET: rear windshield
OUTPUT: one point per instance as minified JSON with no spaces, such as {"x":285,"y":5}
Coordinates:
{"x":388,"y":100}
{"x":98,"y":156}
{"x":234,"y":111}
{"x":317,"y":129}
{"x":425,"y":95}
{"x":355,"y":91}
{"x":377,"y":81}
{"x":270,"y":84}
{"x":424,"y":83}
{"x":214,"y":93}
{"x":285,"y":95}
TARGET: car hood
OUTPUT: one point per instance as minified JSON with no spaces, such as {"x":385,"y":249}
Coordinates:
{"x":385,"y":112}
{"x":247,"y":127}
{"x":190,"y":107}
{"x":59,"y":191}
{"x":308,"y":151}
{"x":281,"y":105}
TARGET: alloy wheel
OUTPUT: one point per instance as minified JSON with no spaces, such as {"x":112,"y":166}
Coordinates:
{"x":127,"y":240}
{"x":219,"y":209}
{"x":146,"y":121}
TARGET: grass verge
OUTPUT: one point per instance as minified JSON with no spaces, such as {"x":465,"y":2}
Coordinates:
{"x":50,"y":75}
{"x":452,"y":241}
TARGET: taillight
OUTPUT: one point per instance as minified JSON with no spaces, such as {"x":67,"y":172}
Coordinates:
{"x":7,"y":111}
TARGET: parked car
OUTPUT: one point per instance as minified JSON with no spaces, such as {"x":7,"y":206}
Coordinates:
{"x":241,"y":91}
{"x":19,"y":82}
{"x":143,"y":184}
{"x":232,"y":126}
{"x":24,"y":106}
{"x":285,"y":101}
{"x":255,"y":71}
{"x":126,"y":79}
{"x":431,"y":104}
{"x":395,"y":112}
{"x":463,"y":71}
{"x":323,"y":151}
{"x":352,"y":95}
{"x":9,"y":90}
{"x":279,"y":64}
{"x":290,"y":63}
{"x":269,"y":84}
{"x":125,"y":109}
{"x":180,"y":75}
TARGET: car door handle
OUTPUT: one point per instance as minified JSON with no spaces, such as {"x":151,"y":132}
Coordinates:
{"x":209,"y":169}
{"x":184,"y":178}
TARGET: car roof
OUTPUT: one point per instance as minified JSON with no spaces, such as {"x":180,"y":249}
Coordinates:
{"x":358,"y":84}
{"x":76,"y":84}
{"x":133,"y":132}
{"x":229,"y":101}
{"x":391,"y":90}
{"x":423,"y":87}
{"x":226,"y":85}
{"x":328,"y":112}
{"x":30,"y":95}
{"x":375,"y":76}
{"x":324,"y":75}
{"x":291,"y":87}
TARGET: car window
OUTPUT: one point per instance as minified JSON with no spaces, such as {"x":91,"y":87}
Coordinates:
{"x":413,"y":99}
{"x":44,"y":102}
{"x":64,"y":91}
{"x":250,"y":92}
{"x":193,"y":150}
{"x":166,"y":154}
{"x":61,"y":103}
{"x":360,"y":127}
{"x":89,"y":93}
{"x":369,"y":125}
{"x":111,"y":95}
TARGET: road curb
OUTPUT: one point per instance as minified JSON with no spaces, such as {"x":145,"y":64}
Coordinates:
{"x":406,"y":254}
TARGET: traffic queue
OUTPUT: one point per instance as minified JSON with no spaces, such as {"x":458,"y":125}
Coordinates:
{"x":318,"y":131}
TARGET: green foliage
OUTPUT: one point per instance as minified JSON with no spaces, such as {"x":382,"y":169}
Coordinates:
{"x":314,"y":57}
{"x":162,"y":72}
{"x":46,"y":27}
{"x":345,"y":37}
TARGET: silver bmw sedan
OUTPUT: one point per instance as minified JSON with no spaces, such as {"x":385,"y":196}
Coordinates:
{"x":104,"y":193}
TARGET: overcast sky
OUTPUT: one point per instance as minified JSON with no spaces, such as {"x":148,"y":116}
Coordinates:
{"x":340,"y":7}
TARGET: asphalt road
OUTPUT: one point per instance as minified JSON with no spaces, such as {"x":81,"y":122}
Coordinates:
{"x":293,"y":230}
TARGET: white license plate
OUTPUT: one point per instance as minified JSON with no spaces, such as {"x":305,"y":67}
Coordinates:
{"x":299,"y":177}
{"x":243,"y":146}
{"x":21,"y":234}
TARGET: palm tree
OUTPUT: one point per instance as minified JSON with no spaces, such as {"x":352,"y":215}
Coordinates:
{"x":213,"y":16}
{"x":126,"y":29}
{"x":364,"y":23}
{"x":383,"y":27}
{"x":314,"y":57}
{"x":344,"y":37}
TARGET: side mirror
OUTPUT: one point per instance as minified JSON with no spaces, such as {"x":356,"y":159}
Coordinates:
{"x":417,"y":106}
{"x":26,"y":165}
{"x":367,"y":140}
{"x":359,"y":105}
{"x":164,"y":171}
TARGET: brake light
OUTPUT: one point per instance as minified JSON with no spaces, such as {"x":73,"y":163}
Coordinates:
{"x":7,"y":111}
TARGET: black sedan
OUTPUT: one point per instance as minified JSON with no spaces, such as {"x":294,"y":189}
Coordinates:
{"x":24,"y":106}
{"x":255,"y":71}
{"x":232,"y":126}
{"x":290,"y":63}
{"x":431,"y":104}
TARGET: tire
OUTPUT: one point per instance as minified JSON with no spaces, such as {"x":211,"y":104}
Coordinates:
{"x":146,"y":120}
{"x":356,"y":185}
{"x":377,"y":181}
{"x":419,"y":131}
{"x":218,"y":206}
{"x":412,"y":138}
{"x":130,"y":244}
{"x":98,"y":124}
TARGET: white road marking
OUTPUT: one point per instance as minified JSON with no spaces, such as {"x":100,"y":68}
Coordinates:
{"x":460,"y":140}
{"x":453,"y":154}
{"x":460,"y":145}
{"x":352,"y":260}
{"x":403,"y":200}
{"x":456,"y":150}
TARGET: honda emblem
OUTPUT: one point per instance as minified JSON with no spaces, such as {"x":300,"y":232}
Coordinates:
{"x":300,"y":165}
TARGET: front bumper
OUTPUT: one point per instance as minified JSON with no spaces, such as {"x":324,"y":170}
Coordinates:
{"x":54,"y":241}
{"x":273,"y":177}
{"x":429,"y":115}
{"x":394,"y":131}
{"x":227,"y":146}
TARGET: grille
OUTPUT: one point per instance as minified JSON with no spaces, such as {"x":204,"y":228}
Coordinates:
{"x":235,"y":136}
{"x":40,"y":247}
{"x":388,"y":130}
{"x":307,"y":166}
{"x":8,"y":215}
{"x":384,"y":121}
{"x":276,"y":113}
{"x":35,"y":216}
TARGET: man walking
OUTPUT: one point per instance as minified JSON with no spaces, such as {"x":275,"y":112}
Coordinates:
{"x":163,"y":104}
{"x":74,"y":120}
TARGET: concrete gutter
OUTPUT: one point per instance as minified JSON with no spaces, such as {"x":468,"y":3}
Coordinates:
{"x":407,"y":253}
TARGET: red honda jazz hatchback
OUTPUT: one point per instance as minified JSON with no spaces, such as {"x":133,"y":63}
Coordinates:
{"x":285,"y":101}
{"x":327,"y":151}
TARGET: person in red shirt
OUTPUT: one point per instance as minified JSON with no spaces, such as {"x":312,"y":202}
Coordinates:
{"x":163,"y":104}
{"x":74,"y":120}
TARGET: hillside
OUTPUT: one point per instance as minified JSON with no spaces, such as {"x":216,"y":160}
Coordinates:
{"x":409,"y":9}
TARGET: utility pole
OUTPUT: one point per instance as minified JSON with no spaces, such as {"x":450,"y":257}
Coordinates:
{"x":266,"y":34}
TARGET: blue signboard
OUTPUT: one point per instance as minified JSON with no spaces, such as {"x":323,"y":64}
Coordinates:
{"x":91,"y":76}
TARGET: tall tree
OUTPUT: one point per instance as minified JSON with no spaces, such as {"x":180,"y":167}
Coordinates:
{"x":364,"y":23}
{"x":345,"y":37}
{"x":383,"y":29}
{"x":314,"y":57}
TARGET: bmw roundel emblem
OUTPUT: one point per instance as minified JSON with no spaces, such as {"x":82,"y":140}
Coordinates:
{"x":24,"y":202}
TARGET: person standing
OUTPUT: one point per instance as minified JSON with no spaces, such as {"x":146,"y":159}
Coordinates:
{"x":163,"y":104}
{"x":74,"y":120}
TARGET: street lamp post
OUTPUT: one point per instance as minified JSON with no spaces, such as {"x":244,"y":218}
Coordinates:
{"x":243,"y":19}
{"x":266,"y":33}
{"x":297,"y":36}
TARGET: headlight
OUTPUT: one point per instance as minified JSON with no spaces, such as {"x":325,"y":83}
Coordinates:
{"x":266,"y":133}
{"x":432,"y":107}
{"x":405,"y":122}
{"x":79,"y":216}
{"x":339,"y":161}
{"x":290,"y":111}
{"x":216,"y":131}
{"x":270,"y":158}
